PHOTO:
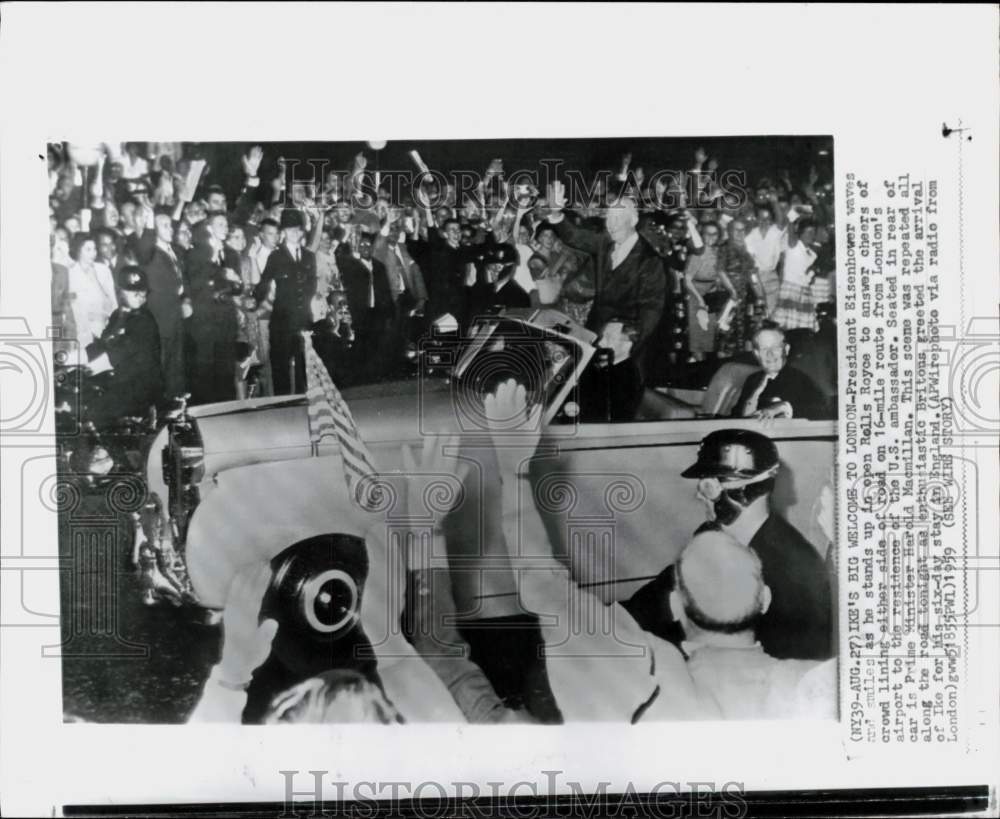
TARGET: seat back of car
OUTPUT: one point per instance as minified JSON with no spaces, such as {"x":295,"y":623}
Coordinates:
{"x":725,"y":388}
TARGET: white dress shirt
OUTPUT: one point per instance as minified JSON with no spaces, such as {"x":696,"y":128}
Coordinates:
{"x":621,"y":251}
{"x":750,"y":407}
{"x":262,"y":256}
{"x":371,"y":281}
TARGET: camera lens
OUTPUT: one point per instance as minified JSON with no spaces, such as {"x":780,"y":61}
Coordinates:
{"x":330,"y":601}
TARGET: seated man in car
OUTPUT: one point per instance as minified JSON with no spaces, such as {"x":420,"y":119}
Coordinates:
{"x":736,"y":470}
{"x":778,"y":390}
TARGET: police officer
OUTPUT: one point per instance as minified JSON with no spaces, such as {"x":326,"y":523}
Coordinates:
{"x":289,"y":280}
{"x":736,"y":470}
{"x":496,"y":287}
{"x":126,"y":358}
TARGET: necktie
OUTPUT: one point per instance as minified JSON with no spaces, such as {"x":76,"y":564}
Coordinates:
{"x":401,"y":279}
{"x":177,"y":268}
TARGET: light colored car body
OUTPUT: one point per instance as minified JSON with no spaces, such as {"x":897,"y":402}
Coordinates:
{"x":611,"y":494}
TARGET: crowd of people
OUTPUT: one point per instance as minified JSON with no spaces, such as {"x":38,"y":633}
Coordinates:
{"x":686,"y":268}
{"x":161,"y":288}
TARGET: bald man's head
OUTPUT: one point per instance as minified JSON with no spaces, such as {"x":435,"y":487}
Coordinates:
{"x":721,"y":583}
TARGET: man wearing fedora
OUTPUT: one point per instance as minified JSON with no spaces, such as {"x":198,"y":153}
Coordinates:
{"x":289,"y":281}
{"x":369,"y":295}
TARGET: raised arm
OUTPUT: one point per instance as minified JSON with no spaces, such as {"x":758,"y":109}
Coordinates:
{"x":598,"y":659}
{"x":246,"y":645}
{"x":585,"y":240}
{"x":431,"y":605}
{"x":251,"y":182}
{"x":316,"y":214}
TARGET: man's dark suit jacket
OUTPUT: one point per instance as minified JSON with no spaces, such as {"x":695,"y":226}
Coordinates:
{"x":413,"y":278}
{"x":212,"y":328}
{"x":634,"y":291}
{"x":789,"y":385}
{"x":444,"y":274}
{"x":799,"y":622}
{"x":164,"y":299}
{"x":355,"y":277}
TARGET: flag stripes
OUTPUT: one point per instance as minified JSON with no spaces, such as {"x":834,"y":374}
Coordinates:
{"x":329,"y":416}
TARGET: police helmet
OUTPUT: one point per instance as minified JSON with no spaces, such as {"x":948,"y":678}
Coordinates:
{"x":503,"y":254}
{"x":734,"y":455}
{"x":132,"y":278}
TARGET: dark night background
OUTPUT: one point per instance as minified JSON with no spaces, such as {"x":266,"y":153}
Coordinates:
{"x":125,"y":662}
{"x":758,"y":156}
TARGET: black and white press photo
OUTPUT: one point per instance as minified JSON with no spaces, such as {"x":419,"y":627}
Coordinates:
{"x":499,"y":408}
{"x":506,"y":431}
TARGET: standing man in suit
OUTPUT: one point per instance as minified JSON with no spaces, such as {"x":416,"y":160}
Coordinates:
{"x":213,"y":279}
{"x":628,"y":273}
{"x":778,"y":390}
{"x":289,"y":281}
{"x":447,"y":268}
{"x":168,"y":303}
{"x":370,"y":300}
{"x":406,"y":284}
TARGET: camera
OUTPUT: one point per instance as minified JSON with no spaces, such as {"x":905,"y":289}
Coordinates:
{"x":315,"y":596}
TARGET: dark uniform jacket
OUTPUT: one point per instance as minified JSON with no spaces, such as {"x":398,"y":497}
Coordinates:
{"x":131,"y":341}
{"x":799,"y":622}
{"x":295,"y":285}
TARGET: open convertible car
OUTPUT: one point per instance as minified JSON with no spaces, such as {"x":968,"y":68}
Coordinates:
{"x":241,"y":481}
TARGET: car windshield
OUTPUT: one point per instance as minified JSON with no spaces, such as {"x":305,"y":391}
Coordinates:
{"x":548,"y":360}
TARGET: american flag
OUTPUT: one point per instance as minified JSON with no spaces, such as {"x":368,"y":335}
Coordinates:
{"x":329,"y":415}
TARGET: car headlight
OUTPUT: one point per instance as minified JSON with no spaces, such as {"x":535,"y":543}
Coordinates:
{"x":183,"y":469}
